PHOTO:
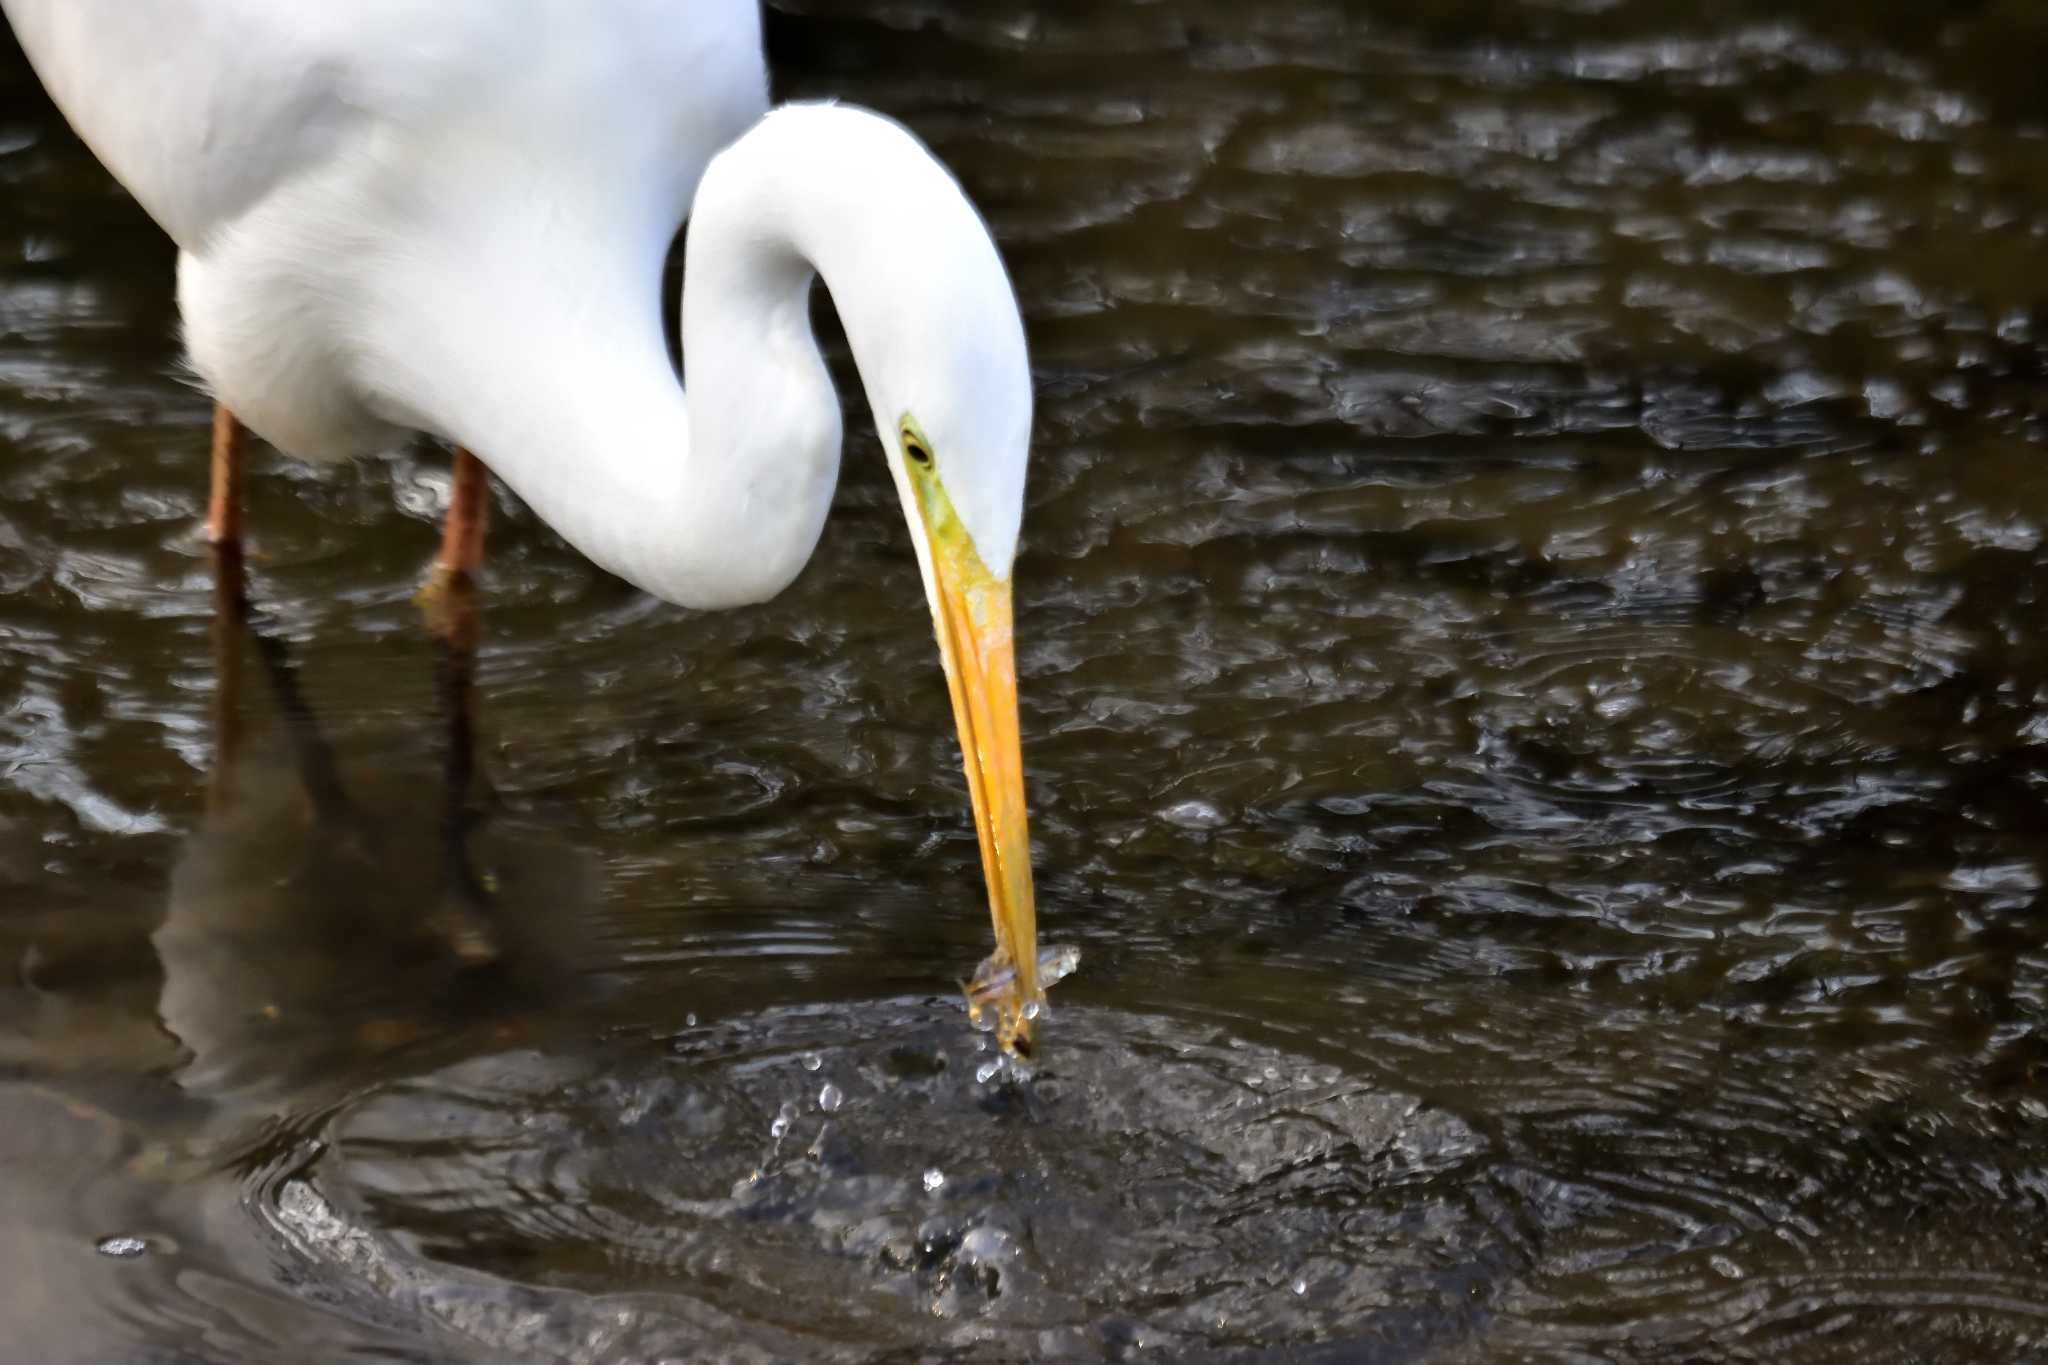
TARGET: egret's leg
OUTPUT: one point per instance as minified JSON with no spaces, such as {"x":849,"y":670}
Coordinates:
{"x":230,"y":454}
{"x":462,"y":539}
{"x":461,"y":556}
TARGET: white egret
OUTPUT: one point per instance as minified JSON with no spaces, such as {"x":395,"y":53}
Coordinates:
{"x":452,"y":217}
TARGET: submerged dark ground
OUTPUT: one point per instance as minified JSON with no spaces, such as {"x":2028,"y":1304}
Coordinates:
{"x":1534,"y":683}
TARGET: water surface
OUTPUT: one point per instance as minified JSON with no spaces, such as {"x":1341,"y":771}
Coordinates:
{"x":1533,"y":691}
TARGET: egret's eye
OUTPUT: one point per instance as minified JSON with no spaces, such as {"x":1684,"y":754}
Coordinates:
{"x":915,"y":450}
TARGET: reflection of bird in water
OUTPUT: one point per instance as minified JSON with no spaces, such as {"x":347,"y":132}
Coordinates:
{"x":311,"y":915}
{"x":453,"y":218}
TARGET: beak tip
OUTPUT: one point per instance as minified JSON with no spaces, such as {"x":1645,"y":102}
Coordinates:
{"x":999,"y":1002}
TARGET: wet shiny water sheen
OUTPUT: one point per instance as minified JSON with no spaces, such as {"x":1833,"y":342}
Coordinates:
{"x":1536,"y":708}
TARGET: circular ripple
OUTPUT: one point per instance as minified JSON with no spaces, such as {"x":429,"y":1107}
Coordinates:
{"x":836,"y":1181}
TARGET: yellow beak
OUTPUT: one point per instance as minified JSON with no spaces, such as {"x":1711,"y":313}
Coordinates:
{"x":973,"y":624}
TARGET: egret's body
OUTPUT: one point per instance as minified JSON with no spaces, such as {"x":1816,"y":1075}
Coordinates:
{"x":451,"y":216}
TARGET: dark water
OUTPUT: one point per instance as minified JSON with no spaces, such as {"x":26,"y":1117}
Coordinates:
{"x":1533,"y":688}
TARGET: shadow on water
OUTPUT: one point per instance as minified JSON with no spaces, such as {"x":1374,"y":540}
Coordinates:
{"x":1529,"y":634}
{"x":326,"y":915}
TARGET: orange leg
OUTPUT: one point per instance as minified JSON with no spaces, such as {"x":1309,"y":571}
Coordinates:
{"x":448,"y":596}
{"x":462,"y":539}
{"x":230,"y":597}
{"x":230,"y":455}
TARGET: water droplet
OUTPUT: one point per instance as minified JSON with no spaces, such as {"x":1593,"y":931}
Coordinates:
{"x":812,"y":1061}
{"x":830,"y":1098}
{"x":783,"y":1118}
{"x":121,"y":1248}
{"x":1032,"y":1009}
{"x":986,"y":1072}
{"x":984,"y":1021}
{"x":690,"y":1019}
{"x":934,"y":1180}
{"x":1300,"y":1287}
{"x":1057,"y":962}
{"x":1199,"y":815}
{"x":1255,"y":1081}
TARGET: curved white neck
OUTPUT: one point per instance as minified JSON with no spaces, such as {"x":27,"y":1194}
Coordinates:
{"x":567,"y":394}
{"x":559,"y":378}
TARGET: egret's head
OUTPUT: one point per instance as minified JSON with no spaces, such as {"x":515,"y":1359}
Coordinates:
{"x":971,"y":614}
{"x":935,"y":331}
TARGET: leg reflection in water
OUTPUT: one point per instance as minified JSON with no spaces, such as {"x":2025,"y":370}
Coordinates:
{"x":351,"y":891}
{"x":465,"y":915}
